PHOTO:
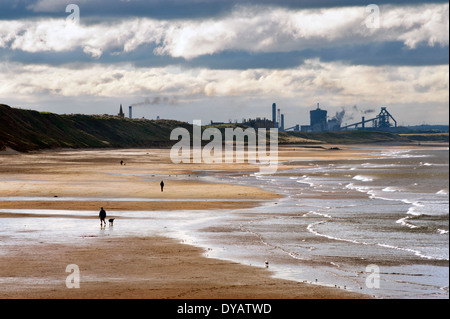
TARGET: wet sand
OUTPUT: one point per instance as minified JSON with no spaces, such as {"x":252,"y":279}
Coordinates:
{"x":135,"y":267}
{"x":145,"y":267}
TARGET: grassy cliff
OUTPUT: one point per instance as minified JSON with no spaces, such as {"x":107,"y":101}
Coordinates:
{"x":25,"y":130}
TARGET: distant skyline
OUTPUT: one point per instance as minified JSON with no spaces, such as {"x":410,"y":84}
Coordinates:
{"x":227,"y":59}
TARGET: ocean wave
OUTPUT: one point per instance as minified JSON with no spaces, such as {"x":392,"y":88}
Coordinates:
{"x":362,"y":189}
{"x":413,"y":209}
{"x":414,"y":251}
{"x":417,"y":253}
{"x":401,"y":154}
{"x":379,"y":165}
{"x":425,"y":164}
{"x":403,"y":222}
{"x":318,"y":214}
{"x":311,"y":230}
{"x":442,"y":192}
{"x":390,"y":189}
{"x":363,"y":178}
{"x":415,"y":215}
{"x":305,"y":181}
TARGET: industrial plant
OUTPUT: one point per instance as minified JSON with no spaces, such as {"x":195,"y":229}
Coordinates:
{"x":319,"y":121}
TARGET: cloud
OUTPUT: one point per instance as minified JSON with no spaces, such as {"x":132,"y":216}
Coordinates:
{"x":424,"y":24}
{"x":251,"y":29}
{"x":314,"y":78}
{"x":56,"y":35}
{"x":254,"y":29}
{"x":240,"y":54}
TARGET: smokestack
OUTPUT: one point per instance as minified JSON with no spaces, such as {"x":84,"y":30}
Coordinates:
{"x":282,"y":122}
{"x":318,"y":106}
{"x":274,"y":115}
{"x":130,"y":111}
{"x":278,"y":118}
{"x":363,"y":122}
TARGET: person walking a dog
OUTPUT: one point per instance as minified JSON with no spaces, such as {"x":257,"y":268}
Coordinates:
{"x":102,"y":216}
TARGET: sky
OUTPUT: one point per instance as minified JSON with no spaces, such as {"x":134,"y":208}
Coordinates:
{"x":225,"y":60}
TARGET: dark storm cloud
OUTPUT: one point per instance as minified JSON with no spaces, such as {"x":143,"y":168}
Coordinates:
{"x":385,"y":53}
{"x":376,"y":54}
{"x":166,"y":9}
{"x":373,"y":54}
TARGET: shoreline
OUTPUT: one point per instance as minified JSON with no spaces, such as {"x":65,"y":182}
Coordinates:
{"x":178,"y":270}
{"x":157,"y":268}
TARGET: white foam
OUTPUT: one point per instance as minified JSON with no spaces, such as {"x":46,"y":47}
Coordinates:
{"x":311,"y":229}
{"x":409,"y":250}
{"x":442,"y":192}
{"x":305,"y":181}
{"x":425,"y":164}
{"x":363,"y":178}
{"x":413,"y":210}
{"x":390,"y":189}
{"x":362,"y":189}
{"x":415,"y":252}
{"x":401,"y":154}
{"x":403,"y":222}
{"x":318,"y":214}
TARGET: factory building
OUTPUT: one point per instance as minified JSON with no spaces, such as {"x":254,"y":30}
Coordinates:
{"x":277,"y":118}
{"x":318,"y":119}
{"x":274,"y":115}
{"x":319,"y":122}
{"x":381,"y":122}
{"x":258,"y":123}
{"x":276,"y":122}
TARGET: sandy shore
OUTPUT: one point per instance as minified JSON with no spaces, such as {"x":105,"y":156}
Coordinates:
{"x":147,"y":267}
{"x":135,"y":267}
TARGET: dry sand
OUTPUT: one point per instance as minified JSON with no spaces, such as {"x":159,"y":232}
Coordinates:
{"x":136,"y":267}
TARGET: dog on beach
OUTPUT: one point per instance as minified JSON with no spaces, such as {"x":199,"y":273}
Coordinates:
{"x":111,"y":221}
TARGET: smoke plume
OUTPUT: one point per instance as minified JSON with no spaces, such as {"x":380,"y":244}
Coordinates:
{"x":157,"y":100}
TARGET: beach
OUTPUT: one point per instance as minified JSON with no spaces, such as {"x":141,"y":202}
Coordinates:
{"x":142,"y":267}
{"x":170,"y":244}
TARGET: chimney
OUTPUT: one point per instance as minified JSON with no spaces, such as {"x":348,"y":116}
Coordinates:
{"x":274,"y":115}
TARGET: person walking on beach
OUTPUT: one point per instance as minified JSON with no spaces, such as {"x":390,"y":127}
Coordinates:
{"x":162,"y":186}
{"x":102,"y":216}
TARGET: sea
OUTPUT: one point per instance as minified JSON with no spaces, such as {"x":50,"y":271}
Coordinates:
{"x":377,"y":225}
